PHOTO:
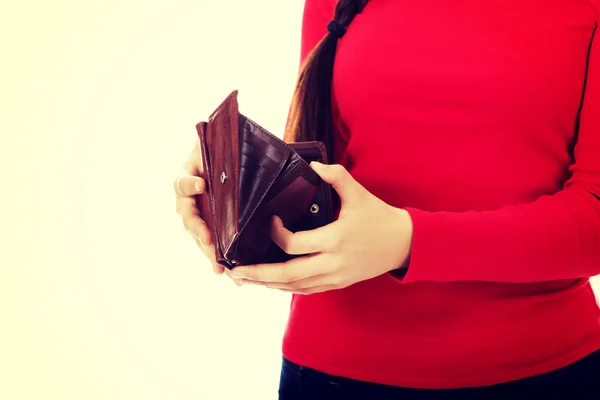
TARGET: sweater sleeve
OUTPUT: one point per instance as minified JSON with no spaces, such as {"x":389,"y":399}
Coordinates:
{"x":556,"y":237}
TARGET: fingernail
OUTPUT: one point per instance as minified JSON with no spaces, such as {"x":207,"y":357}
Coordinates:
{"x":198,"y":186}
{"x":317,"y":165}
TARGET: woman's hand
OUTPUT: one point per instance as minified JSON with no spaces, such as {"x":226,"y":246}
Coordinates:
{"x":369,"y":239}
{"x":189,"y":184}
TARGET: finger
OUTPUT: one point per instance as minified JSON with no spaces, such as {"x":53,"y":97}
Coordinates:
{"x":188,"y":185}
{"x":186,"y":205}
{"x":341,"y":180}
{"x":238,"y":282}
{"x":209,"y":252}
{"x":312,"y":290}
{"x":193,"y":165}
{"x":197,"y":228}
{"x":192,"y":221}
{"x":304,"y":242}
{"x":218,"y":269}
{"x":296,"y":269}
{"x":302,"y":284}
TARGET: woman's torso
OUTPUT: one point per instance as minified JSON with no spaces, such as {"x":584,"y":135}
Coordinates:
{"x":454,"y":106}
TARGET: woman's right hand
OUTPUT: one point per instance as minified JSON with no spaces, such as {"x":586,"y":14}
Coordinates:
{"x":188,"y":185}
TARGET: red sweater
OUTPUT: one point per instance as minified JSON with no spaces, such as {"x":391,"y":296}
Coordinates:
{"x":465,"y":114}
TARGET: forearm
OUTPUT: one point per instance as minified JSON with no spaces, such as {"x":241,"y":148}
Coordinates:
{"x":555,"y":237}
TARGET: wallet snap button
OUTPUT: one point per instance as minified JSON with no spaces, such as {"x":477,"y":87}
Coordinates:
{"x":314,"y":208}
{"x":223,"y":177}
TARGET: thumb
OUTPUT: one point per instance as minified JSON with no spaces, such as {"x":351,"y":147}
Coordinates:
{"x":341,"y":180}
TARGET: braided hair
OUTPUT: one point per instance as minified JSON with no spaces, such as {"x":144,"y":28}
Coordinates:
{"x":311,"y":112}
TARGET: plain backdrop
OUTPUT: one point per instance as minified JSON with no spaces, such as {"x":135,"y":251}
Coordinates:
{"x":103,"y":295}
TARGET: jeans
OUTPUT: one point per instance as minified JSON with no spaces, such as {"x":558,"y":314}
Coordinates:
{"x":580,"y":380}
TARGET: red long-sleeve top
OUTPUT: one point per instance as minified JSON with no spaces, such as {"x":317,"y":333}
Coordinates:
{"x":482,"y":119}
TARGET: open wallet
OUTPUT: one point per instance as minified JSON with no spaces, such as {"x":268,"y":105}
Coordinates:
{"x":252,"y":175}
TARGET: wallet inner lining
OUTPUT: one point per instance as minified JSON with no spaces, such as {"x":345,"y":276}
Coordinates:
{"x":261,"y":151}
{"x":260,"y":164}
{"x":296,"y":166}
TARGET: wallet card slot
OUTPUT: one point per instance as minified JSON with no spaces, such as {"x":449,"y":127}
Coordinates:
{"x":261,"y":151}
{"x":250,"y":182}
{"x":250,"y":163}
{"x":255,"y":180}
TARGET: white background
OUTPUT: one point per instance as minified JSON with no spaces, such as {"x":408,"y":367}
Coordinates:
{"x":103,"y":294}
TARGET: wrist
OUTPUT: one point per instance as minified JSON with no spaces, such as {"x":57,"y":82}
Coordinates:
{"x":404,"y":234}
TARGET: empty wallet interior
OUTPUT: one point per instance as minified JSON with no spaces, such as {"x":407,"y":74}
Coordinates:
{"x":251,"y":175}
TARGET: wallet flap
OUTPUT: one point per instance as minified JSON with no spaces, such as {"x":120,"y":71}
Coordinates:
{"x":326,"y":200}
{"x":204,"y":202}
{"x":311,"y":151}
{"x":222,"y":140}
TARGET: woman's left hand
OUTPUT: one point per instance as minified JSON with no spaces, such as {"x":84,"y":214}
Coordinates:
{"x":369,"y":239}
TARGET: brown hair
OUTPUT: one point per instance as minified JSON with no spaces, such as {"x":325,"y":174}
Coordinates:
{"x":311,"y":112}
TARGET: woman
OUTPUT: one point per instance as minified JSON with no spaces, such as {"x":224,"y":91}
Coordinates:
{"x":466,"y":139}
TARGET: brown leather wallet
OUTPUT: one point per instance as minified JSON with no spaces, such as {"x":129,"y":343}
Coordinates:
{"x":252,"y":175}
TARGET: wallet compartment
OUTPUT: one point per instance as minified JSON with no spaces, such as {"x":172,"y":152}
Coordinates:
{"x":252,"y":175}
